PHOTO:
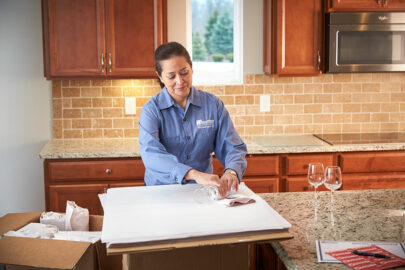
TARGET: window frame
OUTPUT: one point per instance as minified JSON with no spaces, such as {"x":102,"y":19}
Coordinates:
{"x":211,"y":73}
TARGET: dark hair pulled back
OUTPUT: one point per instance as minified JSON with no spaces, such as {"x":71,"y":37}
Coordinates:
{"x":167,"y":51}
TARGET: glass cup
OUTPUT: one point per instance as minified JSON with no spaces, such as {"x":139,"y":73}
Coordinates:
{"x":207,"y":194}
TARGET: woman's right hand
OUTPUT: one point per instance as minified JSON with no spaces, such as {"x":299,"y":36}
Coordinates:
{"x":207,"y":179}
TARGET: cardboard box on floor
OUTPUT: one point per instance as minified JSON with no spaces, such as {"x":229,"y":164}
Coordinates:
{"x":35,"y":253}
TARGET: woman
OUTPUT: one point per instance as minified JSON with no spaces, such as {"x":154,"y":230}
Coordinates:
{"x":181,"y":127}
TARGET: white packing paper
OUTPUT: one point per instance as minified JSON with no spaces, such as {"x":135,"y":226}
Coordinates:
{"x":81,"y":236}
{"x":77,"y":218}
{"x":53,"y":218}
{"x":35,"y":230}
{"x":154,"y":213}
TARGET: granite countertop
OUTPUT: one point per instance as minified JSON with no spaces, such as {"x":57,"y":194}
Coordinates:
{"x":271,"y":144}
{"x":366,"y":215}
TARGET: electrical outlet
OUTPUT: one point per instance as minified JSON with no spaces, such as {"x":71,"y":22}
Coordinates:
{"x":130,"y":105}
{"x":265,"y":103}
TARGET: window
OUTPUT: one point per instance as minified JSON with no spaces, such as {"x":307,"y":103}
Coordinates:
{"x":216,"y":47}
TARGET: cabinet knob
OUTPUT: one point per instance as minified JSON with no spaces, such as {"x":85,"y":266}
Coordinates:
{"x":108,"y":171}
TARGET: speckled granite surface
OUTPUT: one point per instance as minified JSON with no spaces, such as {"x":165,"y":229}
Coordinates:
{"x":99,"y":148}
{"x":369,"y":215}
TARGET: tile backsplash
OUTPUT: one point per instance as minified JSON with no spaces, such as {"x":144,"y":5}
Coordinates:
{"x":331,"y":103}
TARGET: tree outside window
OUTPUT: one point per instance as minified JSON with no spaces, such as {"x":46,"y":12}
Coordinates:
{"x":212,"y":30}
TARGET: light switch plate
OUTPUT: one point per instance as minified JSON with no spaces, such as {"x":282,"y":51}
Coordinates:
{"x":130,"y":105}
{"x":264,"y":103}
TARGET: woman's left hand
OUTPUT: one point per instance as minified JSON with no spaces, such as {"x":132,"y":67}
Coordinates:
{"x":231,"y":181}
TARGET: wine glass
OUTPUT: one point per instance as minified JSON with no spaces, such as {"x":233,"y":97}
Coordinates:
{"x":316,"y":178}
{"x":333,"y":181}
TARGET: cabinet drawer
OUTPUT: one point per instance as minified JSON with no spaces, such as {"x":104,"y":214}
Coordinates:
{"x":369,"y":181}
{"x":372,"y":162}
{"x":96,"y":170}
{"x":298,"y":184}
{"x":262,"y":165}
{"x":262,"y":185}
{"x":257,"y":165}
{"x":298,"y":164}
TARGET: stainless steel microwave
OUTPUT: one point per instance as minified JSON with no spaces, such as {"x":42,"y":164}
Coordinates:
{"x":365,"y":42}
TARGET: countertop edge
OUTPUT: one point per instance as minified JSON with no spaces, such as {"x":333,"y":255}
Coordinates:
{"x":119,"y":148}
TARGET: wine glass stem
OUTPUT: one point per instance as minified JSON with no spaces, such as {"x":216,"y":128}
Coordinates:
{"x":332,"y":208}
{"x":316,"y":205}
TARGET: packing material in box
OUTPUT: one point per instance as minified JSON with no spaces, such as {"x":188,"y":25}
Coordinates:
{"x":34,"y":253}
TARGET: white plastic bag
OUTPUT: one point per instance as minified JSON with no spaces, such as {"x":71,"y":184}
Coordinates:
{"x":77,"y":218}
{"x":53,"y":218}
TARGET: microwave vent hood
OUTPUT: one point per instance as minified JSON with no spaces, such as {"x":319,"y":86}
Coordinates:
{"x":365,"y":42}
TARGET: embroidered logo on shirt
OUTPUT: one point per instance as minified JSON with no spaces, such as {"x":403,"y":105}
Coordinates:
{"x":205,"y":124}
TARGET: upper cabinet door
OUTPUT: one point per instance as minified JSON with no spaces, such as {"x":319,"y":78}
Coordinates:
{"x":296,"y":36}
{"x":134,"y":29}
{"x":366,"y":5}
{"x":102,"y":38}
{"x":74,"y":37}
{"x":395,"y":5}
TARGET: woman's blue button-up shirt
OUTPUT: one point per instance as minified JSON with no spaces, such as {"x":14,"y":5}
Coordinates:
{"x":173,"y":140}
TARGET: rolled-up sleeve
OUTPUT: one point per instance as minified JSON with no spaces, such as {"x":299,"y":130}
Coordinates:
{"x":229,"y":147}
{"x":162,"y":167}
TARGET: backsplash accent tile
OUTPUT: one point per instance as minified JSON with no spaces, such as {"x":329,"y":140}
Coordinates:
{"x":331,"y":103}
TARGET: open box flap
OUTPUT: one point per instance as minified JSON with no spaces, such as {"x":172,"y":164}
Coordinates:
{"x":42,"y":253}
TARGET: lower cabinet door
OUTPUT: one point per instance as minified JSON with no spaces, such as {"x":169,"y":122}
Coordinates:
{"x":85,"y":196}
{"x":298,"y":184}
{"x":262,"y":185}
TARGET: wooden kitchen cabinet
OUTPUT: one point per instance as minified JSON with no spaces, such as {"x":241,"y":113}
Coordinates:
{"x":81,"y":180}
{"x":366,"y":5}
{"x":373,"y":170}
{"x":292,"y":38}
{"x":102,"y":38}
{"x":83,"y":195}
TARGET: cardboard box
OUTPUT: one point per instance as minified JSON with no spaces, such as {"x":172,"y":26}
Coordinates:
{"x":34,"y":253}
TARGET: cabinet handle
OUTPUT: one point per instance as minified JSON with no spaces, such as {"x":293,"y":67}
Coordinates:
{"x":108,"y":171}
{"x":102,"y":62}
{"x":319,"y":60}
{"x":109,"y":62}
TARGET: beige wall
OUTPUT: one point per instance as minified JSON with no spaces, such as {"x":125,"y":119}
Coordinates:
{"x":340,"y":103}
